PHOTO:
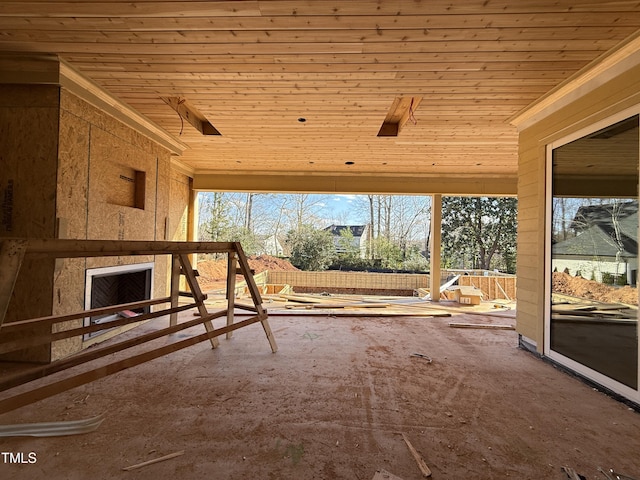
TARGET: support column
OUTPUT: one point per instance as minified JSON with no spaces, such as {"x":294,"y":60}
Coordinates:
{"x":192,"y":221}
{"x":434,"y":247}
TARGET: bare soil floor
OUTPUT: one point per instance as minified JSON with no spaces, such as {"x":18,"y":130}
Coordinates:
{"x":332,"y":403}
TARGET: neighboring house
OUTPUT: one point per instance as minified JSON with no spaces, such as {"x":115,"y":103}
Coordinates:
{"x":273,"y":246}
{"x":596,"y":249}
{"x":360,"y":237}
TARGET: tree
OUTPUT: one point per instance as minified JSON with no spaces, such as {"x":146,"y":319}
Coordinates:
{"x":349,"y":250}
{"x":476,"y":229}
{"x":311,"y":249}
{"x":215,"y":223}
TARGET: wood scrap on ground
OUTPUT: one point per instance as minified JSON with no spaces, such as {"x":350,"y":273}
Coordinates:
{"x":426,"y":472}
{"x":155,"y":460}
{"x":488,"y":326}
{"x":340,"y":305}
{"x":384,"y":475}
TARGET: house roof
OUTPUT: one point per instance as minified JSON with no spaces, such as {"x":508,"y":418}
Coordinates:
{"x":356,"y":230}
{"x":449,"y":75}
{"x":599,"y":239}
{"x":588,"y":215}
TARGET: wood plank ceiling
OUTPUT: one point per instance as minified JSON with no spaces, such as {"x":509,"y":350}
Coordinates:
{"x":254,"y":69}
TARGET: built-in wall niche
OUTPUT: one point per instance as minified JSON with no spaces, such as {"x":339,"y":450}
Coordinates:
{"x":125,"y":186}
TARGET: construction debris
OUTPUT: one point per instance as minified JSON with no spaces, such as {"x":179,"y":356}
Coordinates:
{"x":155,"y":460}
{"x":488,"y":326}
{"x":426,"y":472}
{"x":612,"y":475}
{"x":52,"y":429}
{"x":384,"y":475}
{"x":572,"y":474}
{"x":420,"y":355}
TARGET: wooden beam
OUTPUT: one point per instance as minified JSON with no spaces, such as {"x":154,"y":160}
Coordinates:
{"x":363,"y":183}
{"x":32,"y":341}
{"x":231,"y":288}
{"x":65,"y":248}
{"x":198,"y":296}
{"x":175,"y":287}
{"x":255,"y":295}
{"x":85,"y":313}
{"x":187,"y":111}
{"x":96,"y":353}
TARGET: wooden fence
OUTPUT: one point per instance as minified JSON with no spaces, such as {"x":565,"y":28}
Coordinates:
{"x":351,"y":280}
{"x":493,"y":287}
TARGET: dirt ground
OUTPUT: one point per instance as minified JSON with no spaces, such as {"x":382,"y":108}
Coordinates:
{"x":580,"y":287}
{"x":332,"y":403}
{"x":213,"y":273}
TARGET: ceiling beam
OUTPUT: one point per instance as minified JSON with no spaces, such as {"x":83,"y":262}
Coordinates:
{"x":361,"y":184}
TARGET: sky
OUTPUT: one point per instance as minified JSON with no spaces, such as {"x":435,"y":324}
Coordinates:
{"x":339,"y":208}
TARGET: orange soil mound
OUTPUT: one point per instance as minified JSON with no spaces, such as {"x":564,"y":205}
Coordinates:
{"x":580,"y":287}
{"x":213,"y":273}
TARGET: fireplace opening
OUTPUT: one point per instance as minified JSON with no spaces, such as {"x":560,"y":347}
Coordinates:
{"x":114,"y":286}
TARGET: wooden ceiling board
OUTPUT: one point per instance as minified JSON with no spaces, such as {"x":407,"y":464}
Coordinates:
{"x":253,"y":68}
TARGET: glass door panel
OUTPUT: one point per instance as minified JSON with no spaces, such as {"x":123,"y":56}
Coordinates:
{"x":594,"y":251}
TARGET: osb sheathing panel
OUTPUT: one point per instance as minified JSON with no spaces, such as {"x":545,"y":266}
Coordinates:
{"x":608,"y":99}
{"x":179,"y":207}
{"x":162,"y":272}
{"x":28,"y":156}
{"x":71,"y":208}
{"x":95,"y":150}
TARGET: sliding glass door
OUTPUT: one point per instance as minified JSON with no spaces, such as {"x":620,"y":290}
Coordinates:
{"x":592,"y":324}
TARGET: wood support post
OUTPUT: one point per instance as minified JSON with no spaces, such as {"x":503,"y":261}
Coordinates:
{"x":255,"y":295}
{"x":232,"y":267}
{"x":434,"y":247}
{"x":175,"y":287}
{"x":198,"y":296}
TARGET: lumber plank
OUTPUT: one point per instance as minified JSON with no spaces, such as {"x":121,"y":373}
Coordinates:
{"x":198,"y":296}
{"x":486,"y":326}
{"x":66,"y":248}
{"x":255,"y":295}
{"x":232,"y":268}
{"x":32,"y":341}
{"x":17,"y":325}
{"x":174,"y":287}
{"x":155,"y":460}
{"x":340,"y":305}
{"x":96,"y":353}
{"x":426,"y":472}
